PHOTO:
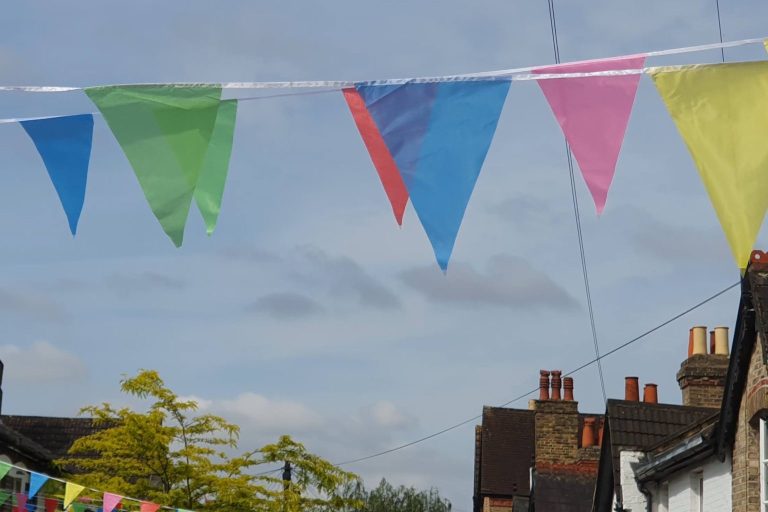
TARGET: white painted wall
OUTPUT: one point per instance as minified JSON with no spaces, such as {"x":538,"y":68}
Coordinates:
{"x":634,"y":500}
{"x":717,"y":487}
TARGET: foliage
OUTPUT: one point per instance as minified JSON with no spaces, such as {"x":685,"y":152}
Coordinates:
{"x":175,"y":457}
{"x":387,"y":498}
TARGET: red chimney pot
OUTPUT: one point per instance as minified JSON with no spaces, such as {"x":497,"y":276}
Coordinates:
{"x":543,"y":385}
{"x":588,"y":433}
{"x":650,"y":394}
{"x":631,"y":389}
{"x":555,"y":395}
{"x":568,"y":388}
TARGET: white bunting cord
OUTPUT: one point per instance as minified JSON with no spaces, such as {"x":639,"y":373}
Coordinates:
{"x":503,"y":74}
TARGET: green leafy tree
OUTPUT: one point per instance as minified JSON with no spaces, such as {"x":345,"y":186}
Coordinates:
{"x":307,"y":482}
{"x":387,"y":498}
{"x":174,"y":456}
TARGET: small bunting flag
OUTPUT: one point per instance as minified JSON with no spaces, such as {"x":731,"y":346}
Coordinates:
{"x":64,"y":144}
{"x":4,"y":496}
{"x":36,"y":481}
{"x":79,"y":507}
{"x":71,"y":492}
{"x":147,"y":506}
{"x":111,"y":501}
{"x":51,"y":504}
{"x":721,"y":113}
{"x":4,"y":469}
{"x":438,"y":134}
{"x":593,"y":112}
{"x":21,"y":502}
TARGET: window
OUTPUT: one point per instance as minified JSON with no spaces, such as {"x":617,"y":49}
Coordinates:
{"x":763,"y":465}
{"x":697,"y":491}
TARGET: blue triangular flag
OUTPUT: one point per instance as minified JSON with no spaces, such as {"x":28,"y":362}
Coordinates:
{"x":438,"y":134}
{"x":36,"y":481}
{"x":64,"y":143}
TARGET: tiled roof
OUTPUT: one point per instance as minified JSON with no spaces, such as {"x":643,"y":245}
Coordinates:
{"x":14,"y":441}
{"x":564,"y":492}
{"x":640,"y":425}
{"x":507,"y":451}
{"x":56,"y":435}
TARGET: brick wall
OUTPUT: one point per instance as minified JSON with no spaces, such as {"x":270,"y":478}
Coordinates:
{"x":746,"y":447}
{"x":702,"y":379}
{"x":557,"y":431}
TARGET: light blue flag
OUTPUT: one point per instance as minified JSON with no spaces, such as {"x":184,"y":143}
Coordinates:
{"x":64,"y":143}
{"x":36,"y":481}
{"x":438,"y":135}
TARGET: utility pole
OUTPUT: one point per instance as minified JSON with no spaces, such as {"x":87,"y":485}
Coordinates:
{"x":286,"y":484}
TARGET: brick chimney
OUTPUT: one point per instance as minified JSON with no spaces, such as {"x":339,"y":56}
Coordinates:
{"x":557,"y":426}
{"x":702,"y":374}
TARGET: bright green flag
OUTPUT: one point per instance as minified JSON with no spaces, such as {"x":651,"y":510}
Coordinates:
{"x":721,"y":111}
{"x":173,"y":136}
{"x":4,"y":469}
{"x":4,"y":495}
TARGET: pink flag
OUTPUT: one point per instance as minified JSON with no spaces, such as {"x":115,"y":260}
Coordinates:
{"x":146,"y":506}
{"x":110,"y":501}
{"x":593,"y":112}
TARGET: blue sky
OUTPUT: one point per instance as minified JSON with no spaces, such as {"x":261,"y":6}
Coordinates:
{"x":309,"y":311}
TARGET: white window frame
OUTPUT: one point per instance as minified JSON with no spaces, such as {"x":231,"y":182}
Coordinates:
{"x":763,"y":465}
{"x":697,"y":491}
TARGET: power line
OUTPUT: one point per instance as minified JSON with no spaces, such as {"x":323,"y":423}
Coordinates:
{"x":720,"y":29}
{"x":577,"y":215}
{"x":570,"y":372}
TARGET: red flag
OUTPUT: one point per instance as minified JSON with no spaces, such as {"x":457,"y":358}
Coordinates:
{"x":51,"y":504}
{"x":146,"y":506}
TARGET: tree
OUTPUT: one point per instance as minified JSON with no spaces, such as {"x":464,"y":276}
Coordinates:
{"x":387,"y":498}
{"x":175,"y":457}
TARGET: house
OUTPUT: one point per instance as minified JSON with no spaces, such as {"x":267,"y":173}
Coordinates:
{"x":717,"y":461}
{"x":541,"y":458}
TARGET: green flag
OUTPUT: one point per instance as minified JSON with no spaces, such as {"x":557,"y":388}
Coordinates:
{"x":166,"y":133}
{"x":4,"y":495}
{"x":4,"y":469}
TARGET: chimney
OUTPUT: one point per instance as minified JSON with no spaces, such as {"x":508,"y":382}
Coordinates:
{"x":651,"y":394}
{"x":556,"y":424}
{"x":556,"y":384}
{"x":600,"y":432}
{"x":543,"y":385}
{"x":631,"y":389}
{"x":568,"y":388}
{"x":702,"y":375}
{"x":588,"y":433}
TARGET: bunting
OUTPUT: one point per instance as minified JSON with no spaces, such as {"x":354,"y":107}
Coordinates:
{"x":593,"y":113}
{"x":110,"y":501}
{"x":438,"y":135}
{"x":64,"y":144}
{"x":71,"y":492}
{"x":147,"y":506}
{"x":4,"y":496}
{"x":721,"y":112}
{"x":36,"y":481}
{"x":51,"y":504}
{"x":21,"y":502}
{"x":4,"y":469}
{"x":177,"y":139}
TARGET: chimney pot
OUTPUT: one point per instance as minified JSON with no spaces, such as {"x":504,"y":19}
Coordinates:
{"x":721,"y":341}
{"x":631,"y":389}
{"x":699,"y":340}
{"x":543,"y":385}
{"x":600,"y":432}
{"x":588,"y":433}
{"x":568,"y":388}
{"x":555,"y":395}
{"x":650,"y":394}
{"x":690,"y":342}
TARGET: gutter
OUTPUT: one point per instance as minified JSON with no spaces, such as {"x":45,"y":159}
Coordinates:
{"x":694,"y":449}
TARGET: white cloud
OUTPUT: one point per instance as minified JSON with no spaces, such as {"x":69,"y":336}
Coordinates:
{"x":270,"y":415}
{"x":386,"y":414}
{"x":41,"y":362}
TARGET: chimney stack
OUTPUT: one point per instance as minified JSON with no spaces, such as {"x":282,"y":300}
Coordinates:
{"x":650,"y":394}
{"x":543,"y":385}
{"x":600,"y":432}
{"x":568,"y":388}
{"x":631,"y":389}
{"x":702,"y":375}
{"x":588,"y":433}
{"x":555,"y":395}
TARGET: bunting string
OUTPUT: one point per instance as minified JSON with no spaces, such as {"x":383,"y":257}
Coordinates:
{"x":71,"y":492}
{"x":427,"y":137}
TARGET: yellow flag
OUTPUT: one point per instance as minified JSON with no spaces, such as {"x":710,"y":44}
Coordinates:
{"x":765,"y":43}
{"x":721,"y":111}
{"x":71,"y":491}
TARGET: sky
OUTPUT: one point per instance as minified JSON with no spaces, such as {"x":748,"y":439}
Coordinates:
{"x":309,"y":311}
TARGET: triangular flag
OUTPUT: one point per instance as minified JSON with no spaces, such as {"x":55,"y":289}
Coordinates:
{"x":110,"y":501}
{"x":147,"y":506}
{"x":166,"y":133}
{"x":4,"y":469}
{"x":51,"y":504}
{"x":36,"y":481}
{"x":4,"y":496}
{"x":721,"y":111}
{"x":385,"y":165}
{"x":439,"y":135}
{"x":765,"y":44}
{"x":64,"y":143}
{"x":593,"y":112}
{"x":213,"y":176}
{"x":71,"y":492}
{"x":79,"y":507}
{"x":21,"y":502}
